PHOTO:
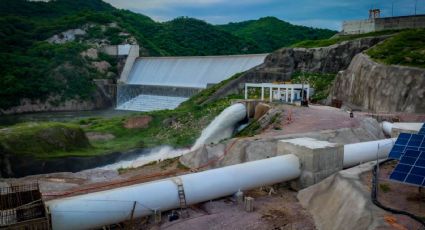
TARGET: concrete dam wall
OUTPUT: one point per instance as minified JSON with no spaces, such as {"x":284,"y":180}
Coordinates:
{"x":165,"y":82}
{"x":194,"y":72}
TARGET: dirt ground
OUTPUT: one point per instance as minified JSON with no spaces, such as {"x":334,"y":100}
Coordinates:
{"x":398,"y":196}
{"x":310,"y":119}
{"x":279,"y":210}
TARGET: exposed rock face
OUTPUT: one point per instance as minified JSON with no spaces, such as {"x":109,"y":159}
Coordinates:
{"x":101,"y":66}
{"x":281,"y":64}
{"x":381,"y":88}
{"x":66,"y":36}
{"x":90,"y":53}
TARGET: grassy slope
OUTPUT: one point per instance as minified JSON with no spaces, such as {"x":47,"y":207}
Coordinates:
{"x":405,"y":48}
{"x":42,"y":139}
{"x":270,"y":33}
{"x":332,"y":41}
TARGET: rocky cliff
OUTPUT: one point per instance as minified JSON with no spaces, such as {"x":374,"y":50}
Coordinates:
{"x":380,"y":88}
{"x":280,"y":65}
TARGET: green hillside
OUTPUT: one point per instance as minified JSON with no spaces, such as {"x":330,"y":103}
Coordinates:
{"x":33,"y":68}
{"x":406,"y":48}
{"x":270,"y":33}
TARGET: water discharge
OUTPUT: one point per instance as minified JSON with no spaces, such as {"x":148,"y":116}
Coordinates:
{"x":220,"y":128}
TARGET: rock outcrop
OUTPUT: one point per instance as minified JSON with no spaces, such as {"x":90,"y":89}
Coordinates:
{"x":380,"y":88}
{"x":280,"y":65}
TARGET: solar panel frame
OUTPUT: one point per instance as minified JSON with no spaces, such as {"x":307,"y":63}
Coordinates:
{"x":422,"y":130}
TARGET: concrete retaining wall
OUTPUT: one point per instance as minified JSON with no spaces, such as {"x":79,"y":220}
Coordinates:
{"x":379,"y":24}
{"x":128,"y":92}
{"x":358,"y":27}
{"x":131,"y":58}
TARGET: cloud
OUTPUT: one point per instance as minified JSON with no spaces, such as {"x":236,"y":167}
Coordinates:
{"x":161,"y":4}
{"x":315,"y":13}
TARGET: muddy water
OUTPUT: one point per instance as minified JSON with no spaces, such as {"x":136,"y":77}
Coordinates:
{"x":19,"y":166}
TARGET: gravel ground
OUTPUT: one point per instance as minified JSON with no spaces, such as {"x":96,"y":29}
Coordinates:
{"x":280,"y":210}
{"x":398,"y":196}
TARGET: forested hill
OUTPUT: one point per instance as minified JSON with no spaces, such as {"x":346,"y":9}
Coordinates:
{"x":34,"y":67}
{"x":270,"y":33}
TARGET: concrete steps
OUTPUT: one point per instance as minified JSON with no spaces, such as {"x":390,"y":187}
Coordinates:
{"x":145,"y":103}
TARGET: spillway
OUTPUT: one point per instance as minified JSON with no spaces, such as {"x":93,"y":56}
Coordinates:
{"x":195,"y":72}
{"x":165,"y":82}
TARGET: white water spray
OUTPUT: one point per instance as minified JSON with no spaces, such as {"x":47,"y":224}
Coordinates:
{"x":156,"y":154}
{"x":220,"y":128}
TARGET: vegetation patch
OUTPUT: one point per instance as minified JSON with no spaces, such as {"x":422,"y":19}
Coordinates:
{"x":339,"y":38}
{"x":251,"y":130}
{"x":384,"y":187}
{"x":42,"y":139}
{"x":319,"y":81}
{"x":406,"y":48}
{"x":270,"y":33}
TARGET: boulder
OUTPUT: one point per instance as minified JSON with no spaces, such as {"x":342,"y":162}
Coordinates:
{"x":260,"y":110}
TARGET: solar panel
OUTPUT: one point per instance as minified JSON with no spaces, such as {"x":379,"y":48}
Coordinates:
{"x":406,"y":141}
{"x":411,"y":168}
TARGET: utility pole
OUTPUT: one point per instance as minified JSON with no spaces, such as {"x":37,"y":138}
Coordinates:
{"x":392,"y":8}
{"x":416,"y":5}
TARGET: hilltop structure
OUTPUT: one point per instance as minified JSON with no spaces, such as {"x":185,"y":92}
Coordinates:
{"x":376,"y":23}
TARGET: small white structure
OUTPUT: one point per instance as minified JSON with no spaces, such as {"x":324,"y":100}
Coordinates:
{"x":285,"y":92}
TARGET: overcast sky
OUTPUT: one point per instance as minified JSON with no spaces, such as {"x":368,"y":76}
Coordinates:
{"x":315,"y":13}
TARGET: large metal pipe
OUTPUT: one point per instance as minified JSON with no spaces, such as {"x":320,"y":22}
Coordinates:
{"x":388,"y":126}
{"x":116,"y":205}
{"x":358,"y":153}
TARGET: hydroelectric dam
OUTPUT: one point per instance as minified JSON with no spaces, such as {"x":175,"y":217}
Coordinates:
{"x":156,"y":83}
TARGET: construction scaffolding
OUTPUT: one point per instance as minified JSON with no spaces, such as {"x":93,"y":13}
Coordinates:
{"x":22,"y":207}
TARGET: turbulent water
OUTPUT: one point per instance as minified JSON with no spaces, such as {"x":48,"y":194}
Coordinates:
{"x":220,"y":128}
{"x":156,"y":154}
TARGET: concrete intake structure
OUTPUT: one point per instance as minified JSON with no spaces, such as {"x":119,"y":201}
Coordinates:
{"x":113,"y":206}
